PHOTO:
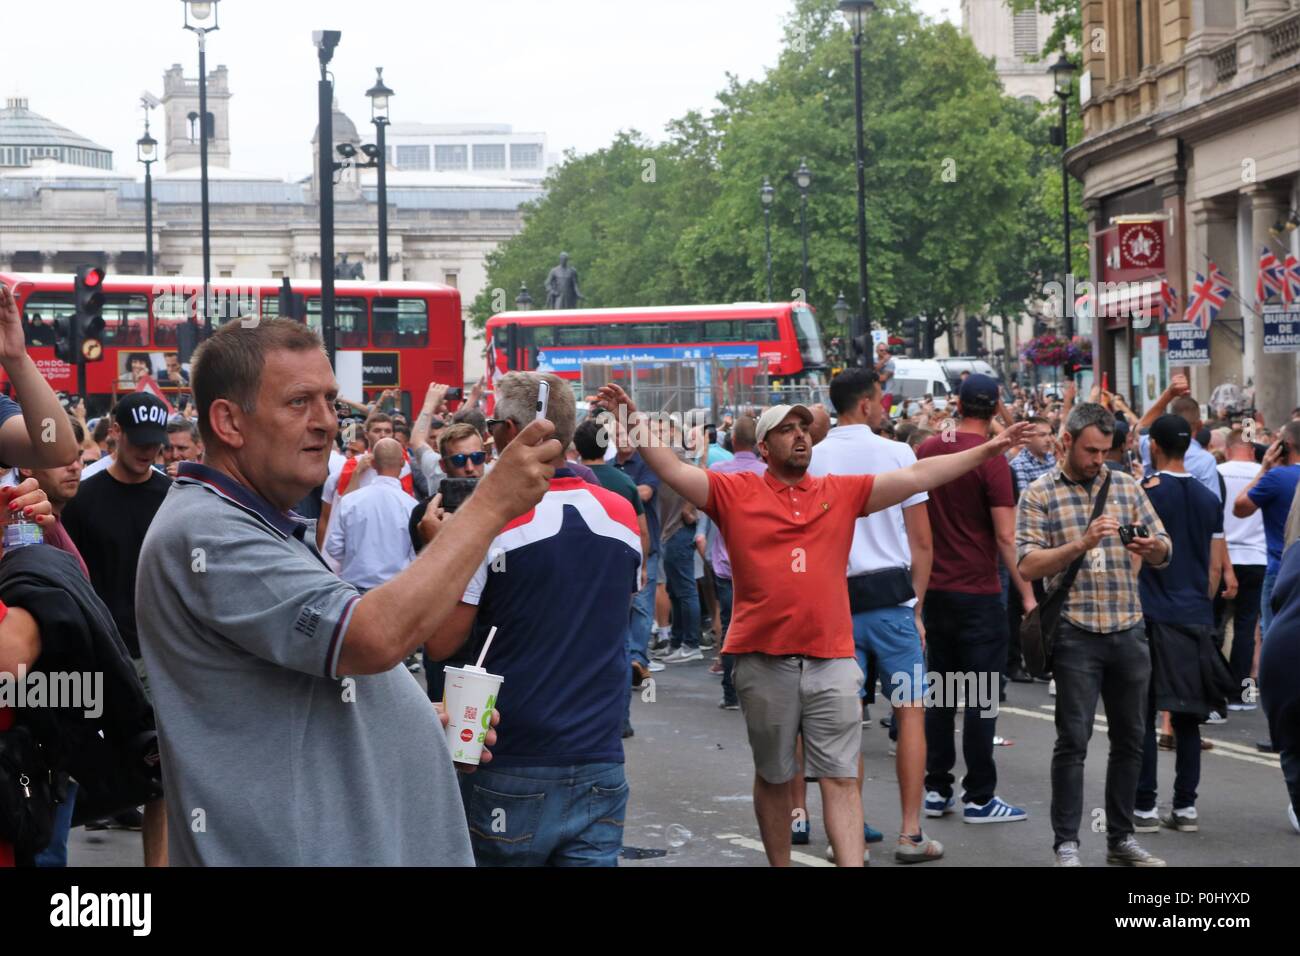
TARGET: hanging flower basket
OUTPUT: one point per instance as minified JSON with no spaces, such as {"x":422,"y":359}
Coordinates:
{"x":1055,"y":350}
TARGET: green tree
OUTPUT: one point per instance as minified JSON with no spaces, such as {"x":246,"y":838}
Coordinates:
{"x":954,"y":207}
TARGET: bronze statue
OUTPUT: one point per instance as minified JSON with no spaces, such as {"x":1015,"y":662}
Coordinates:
{"x":562,"y":286}
{"x":348,"y":270}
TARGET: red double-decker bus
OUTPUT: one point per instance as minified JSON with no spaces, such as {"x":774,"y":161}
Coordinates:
{"x":784,"y":334}
{"x":389,"y":335}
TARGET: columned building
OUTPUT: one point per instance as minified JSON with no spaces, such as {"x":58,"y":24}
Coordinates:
{"x":60,"y":209}
{"x":1191,"y":114}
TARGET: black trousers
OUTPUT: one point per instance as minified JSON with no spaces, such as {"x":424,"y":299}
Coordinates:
{"x":1117,"y":668}
{"x":1244,"y":609}
{"x":964,"y":634}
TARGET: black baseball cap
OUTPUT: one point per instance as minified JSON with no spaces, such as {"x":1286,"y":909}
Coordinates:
{"x":1120,"y":435}
{"x":979,"y":393}
{"x":1172,"y":434}
{"x":143,"y":416}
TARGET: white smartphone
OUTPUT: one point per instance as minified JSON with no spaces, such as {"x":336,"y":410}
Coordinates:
{"x":543,"y":396}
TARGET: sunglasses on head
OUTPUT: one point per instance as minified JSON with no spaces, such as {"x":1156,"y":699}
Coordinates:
{"x":459,"y":460}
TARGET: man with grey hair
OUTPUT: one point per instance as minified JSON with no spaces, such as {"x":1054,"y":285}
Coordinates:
{"x":556,"y":793}
{"x":1101,"y":647}
{"x":347,"y":761}
{"x":183,"y":443}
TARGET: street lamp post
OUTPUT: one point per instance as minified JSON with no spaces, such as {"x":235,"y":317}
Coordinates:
{"x":523,"y":301}
{"x":379,"y":95}
{"x":766,"y":195}
{"x":857,"y":12}
{"x":146,"y":152}
{"x":199,"y":11}
{"x":326,"y":41}
{"x":803,"y":179}
{"x":1063,"y":76}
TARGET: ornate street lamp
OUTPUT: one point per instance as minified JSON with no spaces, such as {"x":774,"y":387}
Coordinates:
{"x":201,"y":19}
{"x":856,"y":12}
{"x":766,"y":195}
{"x":379,"y":95}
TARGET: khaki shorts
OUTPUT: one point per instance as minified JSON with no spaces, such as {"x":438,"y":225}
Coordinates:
{"x":782,"y":697}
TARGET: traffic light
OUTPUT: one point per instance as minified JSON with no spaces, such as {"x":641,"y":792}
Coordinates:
{"x":973,"y":337}
{"x":88,"y":321}
{"x":862,"y":352}
{"x":65,"y":345}
{"x":911,"y":335}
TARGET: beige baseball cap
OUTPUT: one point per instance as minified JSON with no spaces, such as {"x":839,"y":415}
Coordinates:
{"x":776,"y":415}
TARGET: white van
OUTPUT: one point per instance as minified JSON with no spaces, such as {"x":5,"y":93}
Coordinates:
{"x":913,"y":380}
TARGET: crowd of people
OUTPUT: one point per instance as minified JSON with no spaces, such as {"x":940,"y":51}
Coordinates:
{"x":319,"y":564}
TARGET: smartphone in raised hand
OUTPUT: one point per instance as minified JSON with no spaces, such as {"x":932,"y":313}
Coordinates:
{"x":543,"y":398}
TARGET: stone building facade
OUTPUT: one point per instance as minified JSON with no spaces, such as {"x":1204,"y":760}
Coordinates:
{"x":1191,"y":114}
{"x":56,"y":216}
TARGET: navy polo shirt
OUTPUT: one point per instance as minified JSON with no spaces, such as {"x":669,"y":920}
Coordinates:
{"x":640,"y":473}
{"x":1193,"y":517}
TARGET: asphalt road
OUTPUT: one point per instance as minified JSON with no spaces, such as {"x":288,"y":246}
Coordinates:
{"x":691,"y":776}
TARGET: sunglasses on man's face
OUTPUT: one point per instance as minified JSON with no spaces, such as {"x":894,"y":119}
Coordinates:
{"x":476,"y":457}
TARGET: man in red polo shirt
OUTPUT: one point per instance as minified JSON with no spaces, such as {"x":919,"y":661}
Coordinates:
{"x":788,"y":534}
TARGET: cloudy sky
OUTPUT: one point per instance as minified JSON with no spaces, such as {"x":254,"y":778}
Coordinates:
{"x":577,"y":70}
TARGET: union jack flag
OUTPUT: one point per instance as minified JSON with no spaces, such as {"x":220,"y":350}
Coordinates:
{"x":1208,"y":297}
{"x":1291,"y":281}
{"x":1269,"y":282}
{"x":1168,"y":302}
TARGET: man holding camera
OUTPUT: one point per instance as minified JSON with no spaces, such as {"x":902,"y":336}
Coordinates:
{"x":1101,"y":646}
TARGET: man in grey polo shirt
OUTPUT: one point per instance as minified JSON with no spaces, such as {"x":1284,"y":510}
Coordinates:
{"x":291,"y":734}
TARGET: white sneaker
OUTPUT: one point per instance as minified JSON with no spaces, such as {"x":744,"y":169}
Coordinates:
{"x":1241,"y":706}
{"x":1146,"y":821}
{"x":1290,"y":815}
{"x":1067,"y":854}
{"x":1216,"y":718}
{"x":866,"y":855}
{"x":684,"y":654}
{"x":656,"y":666}
{"x":1051,"y":692}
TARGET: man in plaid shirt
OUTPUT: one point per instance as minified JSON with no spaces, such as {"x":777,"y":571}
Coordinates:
{"x":1101,"y":645}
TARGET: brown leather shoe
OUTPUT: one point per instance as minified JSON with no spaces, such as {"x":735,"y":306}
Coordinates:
{"x":639,"y":672}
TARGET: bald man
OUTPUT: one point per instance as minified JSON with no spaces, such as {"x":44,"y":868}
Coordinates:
{"x":368,"y":536}
{"x":821,"y":423}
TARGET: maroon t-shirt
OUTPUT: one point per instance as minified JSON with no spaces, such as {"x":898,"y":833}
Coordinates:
{"x":961,"y":520}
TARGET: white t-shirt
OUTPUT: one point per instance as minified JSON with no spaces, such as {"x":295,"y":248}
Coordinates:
{"x":1245,"y":535}
{"x":880,"y":539}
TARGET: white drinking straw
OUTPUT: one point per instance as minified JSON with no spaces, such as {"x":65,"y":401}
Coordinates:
{"x":486,"y":645}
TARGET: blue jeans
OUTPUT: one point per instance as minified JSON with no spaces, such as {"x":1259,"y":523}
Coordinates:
{"x":679,"y":563}
{"x":643,"y":614}
{"x":1266,"y":603}
{"x":546,"y":816}
{"x":722,"y":587}
{"x":56,"y":853}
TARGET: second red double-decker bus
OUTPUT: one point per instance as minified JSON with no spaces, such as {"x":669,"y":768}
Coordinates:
{"x":782,"y":334}
{"x":389,"y":335}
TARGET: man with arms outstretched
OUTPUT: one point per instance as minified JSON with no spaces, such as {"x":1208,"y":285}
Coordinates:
{"x":789,"y":535}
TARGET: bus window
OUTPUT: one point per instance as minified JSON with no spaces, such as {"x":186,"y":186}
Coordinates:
{"x":543,"y":336}
{"x":723,"y":330}
{"x":575,"y":335}
{"x":39,"y":312}
{"x":170,"y":309}
{"x":683,"y":332}
{"x":126,"y":319}
{"x":653,"y":333}
{"x":808,"y":338}
{"x":401,"y":323}
{"x":350,"y":327}
{"x":615,"y":334}
{"x":760,"y":330}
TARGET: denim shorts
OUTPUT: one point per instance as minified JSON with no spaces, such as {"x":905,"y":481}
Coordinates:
{"x":890,"y":633}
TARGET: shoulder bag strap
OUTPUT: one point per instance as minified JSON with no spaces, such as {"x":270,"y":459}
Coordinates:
{"x":1097,"y":508}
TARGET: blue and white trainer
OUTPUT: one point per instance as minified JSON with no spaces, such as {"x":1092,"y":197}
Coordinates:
{"x":936,"y":805}
{"x":996,"y":810}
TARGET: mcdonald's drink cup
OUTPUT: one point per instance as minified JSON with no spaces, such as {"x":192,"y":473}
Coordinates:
{"x":469,"y":695}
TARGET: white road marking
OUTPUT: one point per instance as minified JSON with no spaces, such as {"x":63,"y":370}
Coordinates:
{"x":736,"y":839}
{"x":1224,"y":748}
